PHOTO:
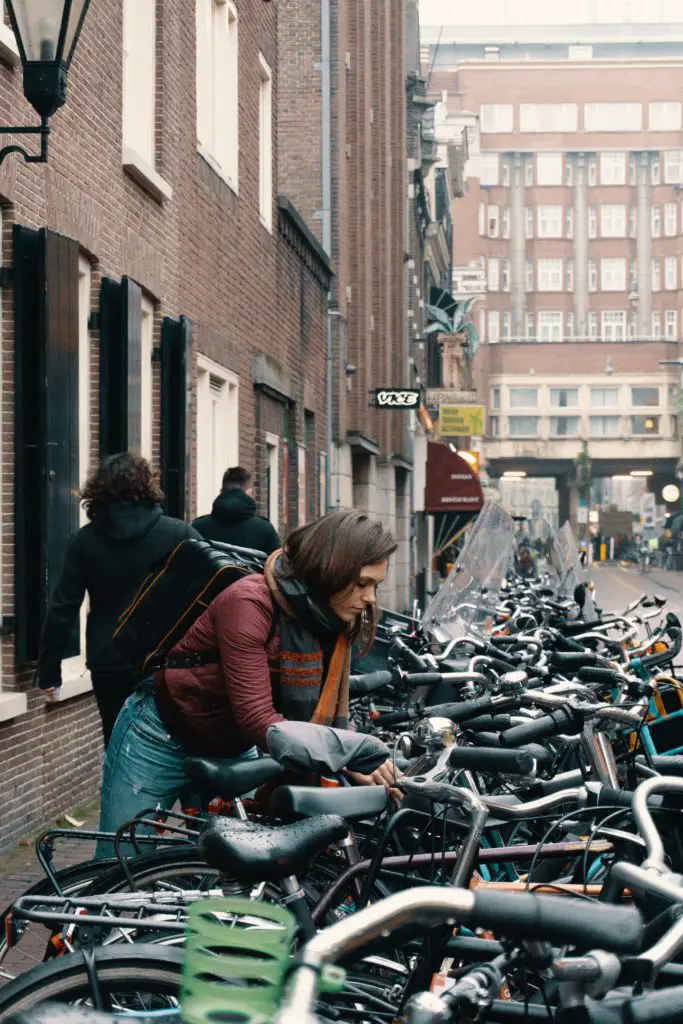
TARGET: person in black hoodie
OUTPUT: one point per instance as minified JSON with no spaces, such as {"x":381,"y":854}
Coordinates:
{"x":109,"y":558}
{"x":233,"y":518}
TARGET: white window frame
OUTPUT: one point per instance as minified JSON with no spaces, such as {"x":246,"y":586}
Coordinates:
{"x":613,"y":220}
{"x":550,"y":221}
{"x":569,"y":275}
{"x":656,"y":170}
{"x":592,"y":222}
{"x":612,"y":168}
{"x":146,"y":378}
{"x":673,"y":166}
{"x":523,"y":405}
{"x":265,"y":143}
{"x":592,"y":170}
{"x":550,"y":325}
{"x":632,"y":222}
{"x":569,"y":219}
{"x":670,"y":220}
{"x":494,"y":327}
{"x":493,"y":220}
{"x":570,"y":324}
{"x":530,"y":282}
{"x":530,"y":327}
{"x":496,"y":118}
{"x":593,"y":325}
{"x":549,"y":169}
{"x":670,"y":269}
{"x":218,"y":79}
{"x":507,"y":321}
{"x":273,"y":458}
{"x":505,"y":173}
{"x":528,"y":222}
{"x":592,"y":275}
{"x":550,"y":273}
{"x":656,"y":218}
{"x":139,"y":79}
{"x":664,"y":116}
{"x":493,"y":274}
{"x":603,"y":391}
{"x":482,"y":219}
{"x":656,"y":325}
{"x":613,"y":117}
{"x":217,"y":444}
{"x":506,"y":222}
{"x":505,"y":275}
{"x":548,"y":117}
{"x":613,"y":274}
{"x":529,"y":170}
{"x":670,"y":324}
{"x":490,"y":169}
{"x":656,"y":274}
{"x":614,"y":325}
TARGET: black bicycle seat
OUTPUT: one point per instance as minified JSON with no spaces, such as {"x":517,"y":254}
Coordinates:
{"x":353,"y":803}
{"x":229,"y":779}
{"x":266,"y":853}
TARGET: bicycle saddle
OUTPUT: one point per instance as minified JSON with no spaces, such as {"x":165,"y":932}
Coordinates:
{"x":231,"y":779}
{"x":265,"y":853}
{"x":353,"y":803}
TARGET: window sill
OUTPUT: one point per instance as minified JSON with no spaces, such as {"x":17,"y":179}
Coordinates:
{"x":145,"y":176}
{"x":217,"y":169}
{"x":9,"y":51}
{"x":12,"y":705}
{"x":74,"y":686}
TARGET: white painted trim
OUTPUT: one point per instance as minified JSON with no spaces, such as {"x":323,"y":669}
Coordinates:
{"x":12,"y":705}
{"x":216,"y":167}
{"x":9,"y":51}
{"x":145,"y":176}
{"x":74,"y":686}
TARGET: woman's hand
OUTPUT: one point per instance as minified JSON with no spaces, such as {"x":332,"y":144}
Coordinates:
{"x":382,"y":776}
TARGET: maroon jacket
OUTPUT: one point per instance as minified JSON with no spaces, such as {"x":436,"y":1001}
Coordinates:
{"x":220,"y":710}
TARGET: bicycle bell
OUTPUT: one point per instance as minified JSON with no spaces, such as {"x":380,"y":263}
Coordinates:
{"x":434,"y":730}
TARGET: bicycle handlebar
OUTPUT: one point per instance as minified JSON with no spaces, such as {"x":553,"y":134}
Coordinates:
{"x":369,"y":681}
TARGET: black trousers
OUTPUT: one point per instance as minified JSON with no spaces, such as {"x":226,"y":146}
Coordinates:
{"x":112,"y":689}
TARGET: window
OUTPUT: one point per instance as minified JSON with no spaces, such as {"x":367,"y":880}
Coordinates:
{"x":490,"y":168}
{"x":665,"y":117}
{"x":613,"y":275}
{"x":570,"y":325}
{"x":529,"y":170}
{"x":530,"y":327}
{"x":529,"y":275}
{"x":656,"y":221}
{"x":592,"y":222}
{"x":564,"y":426}
{"x":604,"y":426}
{"x":613,"y":221}
{"x":548,"y":117}
{"x":523,"y":426}
{"x":570,"y":275}
{"x":493,"y":274}
{"x":494,"y":327}
{"x":564,"y":398}
{"x":670,"y":325}
{"x":642,"y":425}
{"x":655,"y":169}
{"x":670,"y":273}
{"x":569,"y":172}
{"x":656,"y":275}
{"x":529,"y":218}
{"x":506,"y":326}
{"x":495,"y":118}
{"x":549,"y":326}
{"x":506,"y":173}
{"x":505,"y":276}
{"x":550,"y":222}
{"x":549,"y":169}
{"x":632,"y":323}
{"x":673,"y":167}
{"x":632,"y":222}
{"x":523,"y":398}
{"x":613,"y":117}
{"x":613,"y":325}
{"x":217,"y":87}
{"x":604,"y":398}
{"x":495,"y":398}
{"x":570,"y":222}
{"x":632,"y":169}
{"x":670,"y":220}
{"x":139,"y":78}
{"x":506,"y":222}
{"x":592,"y":275}
{"x":593,"y":326}
{"x":612,"y":168}
{"x":266,"y":144}
{"x":656,"y":326}
{"x":482,"y":218}
{"x":273,"y":478}
{"x":645,"y":397}
{"x":592,"y":170}
{"x":494,"y":426}
{"x":550,"y":275}
{"x":493,"y":224}
{"x":217,"y":428}
{"x":146,"y":386}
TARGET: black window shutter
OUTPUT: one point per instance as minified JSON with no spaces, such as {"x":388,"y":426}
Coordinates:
{"x":176,"y":339}
{"x":120,"y":361}
{"x":46,"y":377}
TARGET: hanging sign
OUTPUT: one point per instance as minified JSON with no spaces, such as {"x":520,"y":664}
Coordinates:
{"x":452,"y":483}
{"x":396,"y":398}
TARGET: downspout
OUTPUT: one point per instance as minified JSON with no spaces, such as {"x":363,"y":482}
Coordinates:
{"x":326,"y":213}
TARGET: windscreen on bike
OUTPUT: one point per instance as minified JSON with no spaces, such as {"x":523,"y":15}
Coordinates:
{"x":533,"y":555}
{"x":570,"y":571}
{"x":466,"y":602}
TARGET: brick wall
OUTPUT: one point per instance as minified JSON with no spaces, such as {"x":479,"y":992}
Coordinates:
{"x":205,"y":255}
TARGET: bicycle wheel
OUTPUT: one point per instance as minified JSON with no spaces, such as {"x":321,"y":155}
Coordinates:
{"x":167,"y":871}
{"x":133,"y":980}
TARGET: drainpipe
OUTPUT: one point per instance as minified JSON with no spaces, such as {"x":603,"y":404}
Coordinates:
{"x":326,"y":214}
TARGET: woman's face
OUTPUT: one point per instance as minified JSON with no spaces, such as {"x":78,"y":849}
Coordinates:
{"x":350,"y":603}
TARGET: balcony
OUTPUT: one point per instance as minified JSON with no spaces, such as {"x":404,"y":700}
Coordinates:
{"x":468,"y":282}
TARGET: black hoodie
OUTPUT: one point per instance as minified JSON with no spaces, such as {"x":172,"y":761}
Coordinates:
{"x":233,"y":520}
{"x":109,"y":558}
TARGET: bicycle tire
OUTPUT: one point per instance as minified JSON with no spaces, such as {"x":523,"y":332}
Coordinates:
{"x":119,"y":970}
{"x":145,"y":869}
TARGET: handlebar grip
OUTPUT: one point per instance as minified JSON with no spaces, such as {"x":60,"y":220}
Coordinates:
{"x":393,"y":718}
{"x":471,"y":708}
{"x":491,"y":759}
{"x":495,"y":652}
{"x":423,"y":678}
{"x":502,"y":666}
{"x":572,"y":659}
{"x":565,"y":719}
{"x":564,"y":643}
{"x":486,"y":723}
{"x":577,"y":627}
{"x":369,"y":681}
{"x":599,"y":675}
{"x":409,"y":655}
{"x":563,"y":921}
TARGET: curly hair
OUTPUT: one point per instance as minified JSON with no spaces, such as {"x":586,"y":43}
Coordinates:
{"x":121,"y":477}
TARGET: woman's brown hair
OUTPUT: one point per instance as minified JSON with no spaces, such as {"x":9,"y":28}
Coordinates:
{"x":328,"y":554}
{"x":121,"y":477}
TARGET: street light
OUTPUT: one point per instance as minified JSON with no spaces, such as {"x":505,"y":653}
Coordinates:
{"x":46,"y":32}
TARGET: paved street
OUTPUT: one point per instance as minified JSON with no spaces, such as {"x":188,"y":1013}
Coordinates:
{"x":617,"y":587}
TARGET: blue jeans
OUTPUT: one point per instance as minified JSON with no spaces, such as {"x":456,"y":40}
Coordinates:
{"x":143,"y":767}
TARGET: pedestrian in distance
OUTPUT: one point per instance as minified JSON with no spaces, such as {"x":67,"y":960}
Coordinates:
{"x":234,"y":519}
{"x":107,"y":559}
{"x":269,"y":648}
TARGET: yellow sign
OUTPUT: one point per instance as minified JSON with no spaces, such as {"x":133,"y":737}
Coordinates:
{"x":462,"y":420}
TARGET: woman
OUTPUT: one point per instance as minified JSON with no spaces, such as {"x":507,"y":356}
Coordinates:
{"x":282,"y":644}
{"x":109,"y":558}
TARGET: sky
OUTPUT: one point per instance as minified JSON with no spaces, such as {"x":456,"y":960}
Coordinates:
{"x":543,"y":12}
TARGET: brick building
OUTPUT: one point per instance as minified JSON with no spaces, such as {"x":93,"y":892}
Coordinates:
{"x":341,"y":140}
{"x":572,"y":231}
{"x":185,"y":316}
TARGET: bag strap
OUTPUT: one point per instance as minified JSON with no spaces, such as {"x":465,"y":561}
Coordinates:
{"x":196,"y":659}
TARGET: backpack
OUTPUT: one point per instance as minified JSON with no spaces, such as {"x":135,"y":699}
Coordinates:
{"x":175,"y":592}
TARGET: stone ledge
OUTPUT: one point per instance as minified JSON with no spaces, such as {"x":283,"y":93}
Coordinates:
{"x":12,"y":705}
{"x":145,"y":176}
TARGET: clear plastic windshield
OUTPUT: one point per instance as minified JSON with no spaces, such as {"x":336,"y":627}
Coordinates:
{"x":467,"y":600}
{"x":570,"y":570}
{"x":535,"y":553}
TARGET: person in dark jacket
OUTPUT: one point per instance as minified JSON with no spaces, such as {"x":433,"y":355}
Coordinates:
{"x":109,"y":558}
{"x":233,"y":518}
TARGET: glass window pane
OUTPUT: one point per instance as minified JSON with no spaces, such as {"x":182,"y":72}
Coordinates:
{"x":564,"y":426}
{"x":523,"y":426}
{"x":645,"y":397}
{"x":564,"y":398}
{"x":604,"y":426}
{"x":644,"y":425}
{"x":523,"y":398}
